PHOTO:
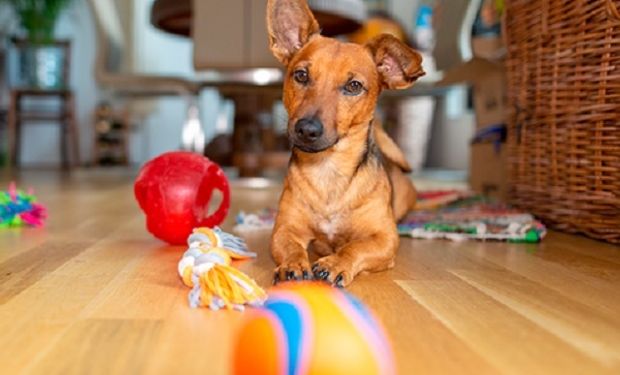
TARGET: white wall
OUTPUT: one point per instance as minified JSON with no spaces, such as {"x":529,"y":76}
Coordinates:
{"x":405,"y":12}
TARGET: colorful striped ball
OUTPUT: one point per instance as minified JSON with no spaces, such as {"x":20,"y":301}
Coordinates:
{"x":310,"y":328}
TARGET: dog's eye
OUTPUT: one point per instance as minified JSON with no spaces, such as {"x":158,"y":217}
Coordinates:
{"x":353,"y":88}
{"x":301,"y":76}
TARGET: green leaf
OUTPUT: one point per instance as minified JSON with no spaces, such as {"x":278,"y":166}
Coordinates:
{"x":38,"y":17}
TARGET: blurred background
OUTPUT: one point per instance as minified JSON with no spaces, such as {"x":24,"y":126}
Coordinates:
{"x":104,"y":83}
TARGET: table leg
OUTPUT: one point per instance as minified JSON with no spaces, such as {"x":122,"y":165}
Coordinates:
{"x":252,"y":139}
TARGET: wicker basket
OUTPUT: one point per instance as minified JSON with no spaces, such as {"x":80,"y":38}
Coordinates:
{"x":564,"y":131}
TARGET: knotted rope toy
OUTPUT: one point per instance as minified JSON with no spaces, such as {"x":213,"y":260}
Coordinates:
{"x":19,"y":208}
{"x":206,"y":267}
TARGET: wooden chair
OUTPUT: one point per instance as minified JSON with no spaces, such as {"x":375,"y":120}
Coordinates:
{"x":64,"y":116}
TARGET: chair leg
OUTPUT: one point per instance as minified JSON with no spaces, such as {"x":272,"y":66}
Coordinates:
{"x":64,"y":133}
{"x":73,"y":130}
{"x":64,"y":155}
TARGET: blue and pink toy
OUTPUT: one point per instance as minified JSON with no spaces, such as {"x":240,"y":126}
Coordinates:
{"x":19,"y":208}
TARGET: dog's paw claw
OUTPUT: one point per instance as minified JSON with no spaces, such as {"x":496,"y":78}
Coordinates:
{"x":339,"y":280}
{"x":321,"y":273}
{"x":291,"y":272}
{"x":331,"y":270}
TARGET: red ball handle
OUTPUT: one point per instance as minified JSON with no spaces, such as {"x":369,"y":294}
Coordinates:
{"x":218,"y":181}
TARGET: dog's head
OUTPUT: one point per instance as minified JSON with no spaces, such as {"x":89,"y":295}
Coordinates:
{"x":331,"y":86}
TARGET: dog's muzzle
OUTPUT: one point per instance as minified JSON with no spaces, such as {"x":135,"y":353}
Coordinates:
{"x":308,"y":131}
{"x":308,"y":135}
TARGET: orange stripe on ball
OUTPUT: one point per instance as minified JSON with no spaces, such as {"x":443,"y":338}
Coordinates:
{"x":258,"y":350}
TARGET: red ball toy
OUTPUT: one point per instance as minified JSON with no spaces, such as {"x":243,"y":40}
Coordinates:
{"x":174,"y":191}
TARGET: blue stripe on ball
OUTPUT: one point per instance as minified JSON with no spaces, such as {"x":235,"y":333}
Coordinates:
{"x":292,"y":322}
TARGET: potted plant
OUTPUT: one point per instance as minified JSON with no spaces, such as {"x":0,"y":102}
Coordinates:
{"x":41,"y":60}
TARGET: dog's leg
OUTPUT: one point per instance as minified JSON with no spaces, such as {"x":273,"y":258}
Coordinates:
{"x":322,"y":248}
{"x":289,"y":250}
{"x":372,"y":254}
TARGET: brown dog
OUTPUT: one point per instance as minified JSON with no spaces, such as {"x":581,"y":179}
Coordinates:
{"x":345,"y":188}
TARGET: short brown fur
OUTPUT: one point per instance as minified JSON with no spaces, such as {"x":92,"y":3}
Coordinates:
{"x":346,"y":189}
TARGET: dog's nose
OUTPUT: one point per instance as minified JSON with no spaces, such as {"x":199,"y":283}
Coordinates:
{"x":309,"y":129}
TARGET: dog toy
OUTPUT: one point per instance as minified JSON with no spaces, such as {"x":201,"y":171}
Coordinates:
{"x":311,"y":328}
{"x":206,"y":268}
{"x":174,"y":191}
{"x":19,"y":208}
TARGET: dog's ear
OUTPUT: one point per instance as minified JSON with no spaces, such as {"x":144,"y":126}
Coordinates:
{"x":290,"y":24}
{"x":398,"y":65}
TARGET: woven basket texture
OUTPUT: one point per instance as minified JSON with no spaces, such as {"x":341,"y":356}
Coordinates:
{"x":563,"y":69}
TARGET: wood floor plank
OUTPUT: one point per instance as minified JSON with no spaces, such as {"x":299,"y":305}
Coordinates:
{"x":422,"y":344}
{"x":77,"y":221}
{"x":34,"y":319}
{"x":578,"y":325}
{"x":498,"y":334}
{"x":579,"y":261}
{"x":148,"y":291}
{"x":97,"y":346}
{"x":433,"y":260}
{"x":585,"y":246}
{"x":195,"y":341}
{"x":20,"y":272}
{"x":568,"y":280}
{"x":15,"y":241}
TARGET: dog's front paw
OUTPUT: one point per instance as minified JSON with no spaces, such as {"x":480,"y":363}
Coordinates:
{"x":333,"y":270}
{"x":297,"y":270}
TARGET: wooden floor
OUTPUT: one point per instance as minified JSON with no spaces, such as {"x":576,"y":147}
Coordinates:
{"x":93,"y":293}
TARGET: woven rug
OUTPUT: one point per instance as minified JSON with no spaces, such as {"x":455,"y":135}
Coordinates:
{"x":451,"y":215}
